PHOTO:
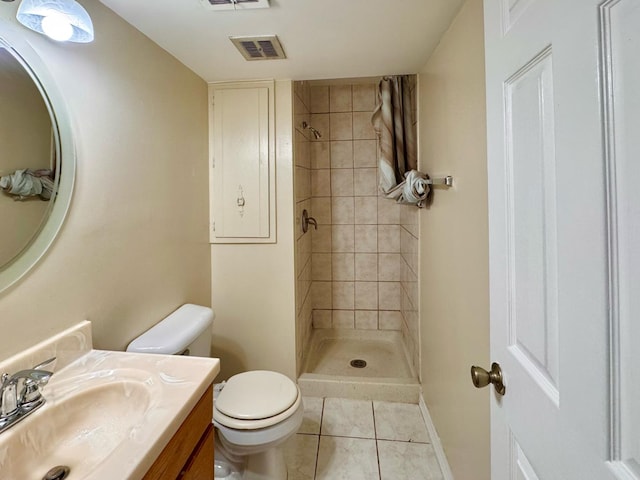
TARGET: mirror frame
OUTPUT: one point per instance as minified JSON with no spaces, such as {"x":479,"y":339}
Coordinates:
{"x":12,"y":39}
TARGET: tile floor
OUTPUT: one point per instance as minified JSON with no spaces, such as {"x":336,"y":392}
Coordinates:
{"x":361,"y":440}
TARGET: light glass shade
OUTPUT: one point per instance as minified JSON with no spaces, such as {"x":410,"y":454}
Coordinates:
{"x":62,"y":20}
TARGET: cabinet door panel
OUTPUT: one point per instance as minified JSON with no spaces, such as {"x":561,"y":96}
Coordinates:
{"x":242,"y":189}
{"x":200,"y":466}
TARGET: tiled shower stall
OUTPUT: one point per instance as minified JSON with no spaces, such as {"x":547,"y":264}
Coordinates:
{"x":359,"y":268}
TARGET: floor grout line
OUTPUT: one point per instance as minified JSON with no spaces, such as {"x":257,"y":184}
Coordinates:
{"x":315,"y":470}
{"x":375,"y":434}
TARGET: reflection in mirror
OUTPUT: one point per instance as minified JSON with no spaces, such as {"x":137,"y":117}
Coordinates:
{"x":37,"y":156}
{"x":27,"y":158}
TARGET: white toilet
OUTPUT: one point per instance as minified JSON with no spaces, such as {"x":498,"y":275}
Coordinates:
{"x":254,"y":412}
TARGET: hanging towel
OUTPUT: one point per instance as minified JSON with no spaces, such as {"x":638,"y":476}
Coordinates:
{"x":28,"y":183}
{"x":414,"y":190}
{"x":393,"y":121}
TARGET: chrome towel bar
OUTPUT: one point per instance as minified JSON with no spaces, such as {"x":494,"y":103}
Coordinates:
{"x":447,"y":181}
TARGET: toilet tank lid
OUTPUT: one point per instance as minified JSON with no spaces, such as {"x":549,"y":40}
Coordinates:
{"x":175,"y":333}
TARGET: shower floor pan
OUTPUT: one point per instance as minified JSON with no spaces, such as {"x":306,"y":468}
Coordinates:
{"x":387,"y":375}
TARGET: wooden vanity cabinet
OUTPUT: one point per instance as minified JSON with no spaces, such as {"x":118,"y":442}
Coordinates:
{"x":189,"y":453}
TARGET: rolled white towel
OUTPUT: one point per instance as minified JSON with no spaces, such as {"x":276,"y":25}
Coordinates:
{"x":27,"y":183}
{"x":413,"y":190}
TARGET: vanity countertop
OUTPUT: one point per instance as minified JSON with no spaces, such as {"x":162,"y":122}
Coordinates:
{"x":108,"y":415}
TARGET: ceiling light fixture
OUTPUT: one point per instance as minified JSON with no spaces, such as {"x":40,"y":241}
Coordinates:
{"x":61,"y":20}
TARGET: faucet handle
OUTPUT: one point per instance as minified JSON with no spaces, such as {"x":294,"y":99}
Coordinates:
{"x":30,"y":394}
{"x":35,"y":378}
{"x":8,"y":399}
{"x":46,"y":363}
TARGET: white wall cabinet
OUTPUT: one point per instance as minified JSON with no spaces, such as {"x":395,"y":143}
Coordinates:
{"x":242,"y":182}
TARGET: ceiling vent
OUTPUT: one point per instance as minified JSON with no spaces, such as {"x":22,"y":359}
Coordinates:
{"x":235,"y":4}
{"x":265,"y":47}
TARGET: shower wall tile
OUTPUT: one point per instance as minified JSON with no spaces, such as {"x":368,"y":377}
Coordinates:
{"x":366,"y":320}
{"x":303,"y":183}
{"x":299,"y":110}
{"x":342,"y":154}
{"x":343,"y":319}
{"x":366,"y":296}
{"x":341,"y":126}
{"x":319,"y":99}
{"x":343,"y":238}
{"x":302,"y":150}
{"x":342,"y":210}
{"x":321,"y":183}
{"x":321,"y":210}
{"x":366,"y":210}
{"x":342,"y":266}
{"x":365,"y":181}
{"x":389,"y":238}
{"x":303,"y":251}
{"x":366,"y":266}
{"x":409,"y":249}
{"x":321,"y":239}
{"x":364,"y":98}
{"x":343,"y":295}
{"x":320,"y":121}
{"x":389,"y":295}
{"x":319,"y":153}
{"x":388,"y":212}
{"x":340,"y":98}
{"x":409,"y":220}
{"x":365,"y":153}
{"x":321,"y":266}
{"x":341,"y":182}
{"x":322,"y":295}
{"x":365,"y":252}
{"x":366,"y":240}
{"x":322,"y":318}
{"x":299,"y":206}
{"x":390,"y":320}
{"x":389,"y":267}
{"x":362,"y":126}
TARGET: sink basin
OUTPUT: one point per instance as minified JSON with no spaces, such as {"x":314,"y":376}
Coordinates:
{"x":108,"y":415}
{"x":79,"y":431}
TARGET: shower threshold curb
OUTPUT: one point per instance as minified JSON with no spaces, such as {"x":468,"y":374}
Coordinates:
{"x":405,"y":390}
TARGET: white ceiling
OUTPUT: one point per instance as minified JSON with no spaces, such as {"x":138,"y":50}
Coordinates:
{"x":322,"y":38}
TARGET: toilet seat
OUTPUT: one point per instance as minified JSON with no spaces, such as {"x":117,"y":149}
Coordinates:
{"x":256,"y":399}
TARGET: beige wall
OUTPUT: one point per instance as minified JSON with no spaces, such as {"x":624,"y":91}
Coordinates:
{"x":135,"y":244}
{"x":253,"y":285}
{"x":454,"y":244}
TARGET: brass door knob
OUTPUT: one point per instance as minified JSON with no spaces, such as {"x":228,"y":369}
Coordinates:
{"x":481,"y":378}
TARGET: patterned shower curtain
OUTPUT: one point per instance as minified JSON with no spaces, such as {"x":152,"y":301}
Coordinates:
{"x":394,"y":123}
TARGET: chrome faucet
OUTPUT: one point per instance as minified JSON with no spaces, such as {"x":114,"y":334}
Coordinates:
{"x":16,"y":406}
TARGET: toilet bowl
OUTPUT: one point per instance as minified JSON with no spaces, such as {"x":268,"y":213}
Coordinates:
{"x":254,"y":412}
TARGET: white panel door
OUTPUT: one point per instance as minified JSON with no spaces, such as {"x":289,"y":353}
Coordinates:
{"x":563,"y":108}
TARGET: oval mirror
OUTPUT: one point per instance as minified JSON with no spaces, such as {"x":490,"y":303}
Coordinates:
{"x":37,"y":158}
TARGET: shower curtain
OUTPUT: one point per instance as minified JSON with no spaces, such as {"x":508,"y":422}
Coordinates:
{"x":394,"y":123}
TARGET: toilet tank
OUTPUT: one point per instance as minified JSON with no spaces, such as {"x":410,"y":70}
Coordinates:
{"x":187,"y":331}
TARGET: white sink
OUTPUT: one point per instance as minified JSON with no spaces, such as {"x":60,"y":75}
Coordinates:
{"x":108,"y":415}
